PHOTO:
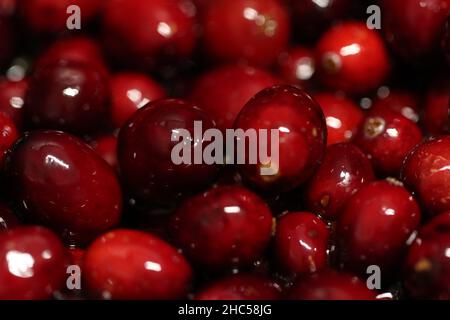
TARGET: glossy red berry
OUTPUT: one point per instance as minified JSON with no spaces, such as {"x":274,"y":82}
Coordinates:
{"x":69,"y":96}
{"x":33,"y":263}
{"x":223,"y":227}
{"x":56,"y":178}
{"x":344,"y":170}
{"x":145,"y":152}
{"x":409,"y":38}
{"x":302,"y":136}
{"x":241,"y":287}
{"x":426,"y":172}
{"x":128,"y":264}
{"x":246,"y":30}
{"x":158,"y":30}
{"x":8,"y":135}
{"x":342,"y":115}
{"x":223,"y":92}
{"x":106,"y":147}
{"x":12,"y":99}
{"x":375,"y":226}
{"x":427,"y":266}
{"x":331,"y":285}
{"x":437,"y":109}
{"x":129,"y":92}
{"x":401,"y":102}
{"x":7,"y":217}
{"x":301,"y":242}
{"x":387,"y":137}
{"x":297,"y":66}
{"x":352,"y":58}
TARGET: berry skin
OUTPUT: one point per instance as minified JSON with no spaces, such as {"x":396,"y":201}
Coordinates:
{"x":401,"y":102}
{"x":12,"y":98}
{"x":352,"y":58}
{"x":33,"y":263}
{"x":8,"y":135}
{"x":222,"y":228}
{"x":301,"y":242}
{"x":128,"y":264}
{"x":437,"y":109}
{"x":297,"y":66}
{"x":106,"y":147}
{"x":7,"y":218}
{"x":344,"y":170}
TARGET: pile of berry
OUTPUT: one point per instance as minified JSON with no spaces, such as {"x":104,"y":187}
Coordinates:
{"x":94,"y":207}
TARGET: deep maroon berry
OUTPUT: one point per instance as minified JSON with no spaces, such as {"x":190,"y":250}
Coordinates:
{"x":375,"y":226}
{"x":58,"y":179}
{"x":301,"y":242}
{"x":426,"y":172}
{"x":331,"y":285}
{"x":246,"y":30}
{"x":302,"y":136}
{"x":8,"y":135}
{"x":437,"y":109}
{"x":129,"y":92}
{"x":145,"y":152}
{"x":223,"y":227}
{"x":241,"y":287}
{"x":297,"y":66}
{"x":387,"y":137}
{"x":344,"y":170}
{"x":141,"y":33}
{"x":12,"y":99}
{"x":342,"y":115}
{"x":68,"y":96}
{"x":352,"y":58}
{"x":446,"y":40}
{"x":7,"y":217}
{"x":427,"y":267}
{"x":33,"y":263}
{"x":401,"y":102}
{"x":409,"y":38}
{"x":223,"y":92}
{"x":128,"y":264}
{"x":106,"y":147}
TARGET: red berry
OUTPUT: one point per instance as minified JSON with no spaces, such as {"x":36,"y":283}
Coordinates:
{"x":344,"y":170}
{"x":76,"y":256}
{"x":301,"y":242}
{"x":241,"y":287}
{"x":58,"y":179}
{"x":331,"y":285}
{"x":128,"y":264}
{"x":302,"y":136}
{"x":223,"y":227}
{"x":129,"y":92}
{"x":223,"y":92}
{"x":387,"y":137}
{"x":106,"y":147}
{"x":352,"y":58}
{"x":342,"y":115}
{"x":8,"y":135}
{"x":12,"y":97}
{"x":7,"y":218}
{"x":33,"y":263}
{"x":246,"y":30}
{"x":375,"y":226}
{"x":426,"y":172}
{"x":437,"y":109}
{"x":427,"y":267}
{"x":145,"y":147}
{"x":297,"y":66}
{"x":141,"y":32}
{"x":401,"y":102}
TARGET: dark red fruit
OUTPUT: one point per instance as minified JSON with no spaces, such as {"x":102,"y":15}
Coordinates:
{"x":128,"y":264}
{"x":223,"y":92}
{"x":8,"y":135}
{"x":409,"y":38}
{"x":254,"y":31}
{"x":69,"y":96}
{"x":302,"y":136}
{"x":33,"y":263}
{"x":57,"y":178}
{"x":352,"y":58}
{"x":106,"y":147}
{"x":12,"y":97}
{"x":331,"y":285}
{"x":223,"y":227}
{"x":297,"y":66}
{"x":446,"y":40}
{"x":8,"y":42}
{"x":437,"y":109}
{"x":158,"y":29}
{"x":301,"y":242}
{"x":7,"y":217}
{"x":145,"y":148}
{"x":401,"y":102}
{"x":76,"y":256}
{"x":49,"y":16}
{"x":426,"y":172}
{"x":342,"y":115}
{"x":241,"y":287}
{"x":375,"y":226}
{"x":387,"y":137}
{"x":344,"y":170}
{"x":427,"y":267}
{"x":129,"y":92}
